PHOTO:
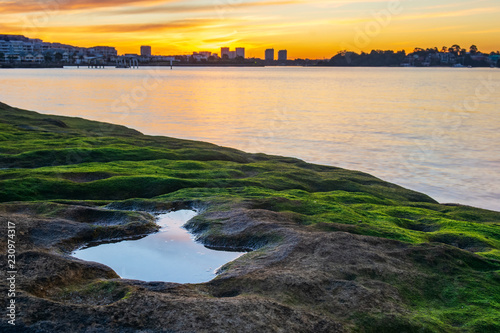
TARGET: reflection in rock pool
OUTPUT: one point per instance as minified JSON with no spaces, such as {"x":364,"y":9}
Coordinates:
{"x":170,"y":255}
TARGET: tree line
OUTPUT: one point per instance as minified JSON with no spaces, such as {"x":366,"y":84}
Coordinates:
{"x":446,"y":56}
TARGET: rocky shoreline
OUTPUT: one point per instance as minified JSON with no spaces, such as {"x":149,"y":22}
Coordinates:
{"x":295,"y":279}
{"x":332,"y":250}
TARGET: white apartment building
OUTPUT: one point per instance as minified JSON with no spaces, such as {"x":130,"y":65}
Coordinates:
{"x":16,"y":47}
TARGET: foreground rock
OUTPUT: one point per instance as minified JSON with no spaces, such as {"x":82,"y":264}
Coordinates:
{"x":296,"y":279}
{"x":332,"y":250}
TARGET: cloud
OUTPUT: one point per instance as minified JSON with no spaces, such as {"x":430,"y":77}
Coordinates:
{"x":489,"y":31}
{"x":216,"y":6}
{"x":453,"y":5}
{"x":63,"y":5}
{"x":185,"y":24}
{"x":424,"y":15}
{"x":141,"y":6}
{"x":457,"y":13}
{"x":155,"y":27}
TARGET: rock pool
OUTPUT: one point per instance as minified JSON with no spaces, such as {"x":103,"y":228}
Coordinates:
{"x":170,"y":255}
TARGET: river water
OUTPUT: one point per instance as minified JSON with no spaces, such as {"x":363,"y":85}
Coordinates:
{"x":434,"y":130}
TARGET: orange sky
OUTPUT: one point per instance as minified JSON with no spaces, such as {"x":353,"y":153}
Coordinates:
{"x":307,"y":29}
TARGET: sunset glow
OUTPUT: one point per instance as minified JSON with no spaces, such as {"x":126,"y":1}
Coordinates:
{"x":312,"y":29}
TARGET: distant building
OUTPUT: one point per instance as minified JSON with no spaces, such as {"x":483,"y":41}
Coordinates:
{"x":269,"y":55}
{"x":105,"y":51}
{"x":206,"y":54}
{"x":145,"y":51}
{"x":197,"y":57}
{"x":202,"y":55}
{"x":15,"y":47}
{"x":282,"y":55}
{"x":446,"y":58}
{"x":16,"y":37}
{"x":224,"y":51}
{"x":240,"y":52}
{"x":28,"y":57}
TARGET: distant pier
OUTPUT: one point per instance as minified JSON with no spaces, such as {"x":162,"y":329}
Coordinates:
{"x":127,"y":62}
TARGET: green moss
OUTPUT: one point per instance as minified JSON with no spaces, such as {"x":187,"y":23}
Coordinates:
{"x":99,"y":292}
{"x":61,"y":159}
{"x":396,"y":323}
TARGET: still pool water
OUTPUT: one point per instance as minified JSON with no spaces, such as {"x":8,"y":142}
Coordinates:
{"x":171,"y":255}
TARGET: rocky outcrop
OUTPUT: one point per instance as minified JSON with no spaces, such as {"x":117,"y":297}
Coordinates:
{"x":295,"y":279}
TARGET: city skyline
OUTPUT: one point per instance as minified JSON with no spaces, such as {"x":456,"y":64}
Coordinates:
{"x":313,"y":29}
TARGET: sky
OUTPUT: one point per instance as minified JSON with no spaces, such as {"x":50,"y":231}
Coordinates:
{"x":306,"y":28}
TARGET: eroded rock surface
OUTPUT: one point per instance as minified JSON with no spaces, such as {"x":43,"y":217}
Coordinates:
{"x":296,"y":279}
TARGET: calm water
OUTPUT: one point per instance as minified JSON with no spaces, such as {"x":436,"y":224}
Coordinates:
{"x":170,"y":255}
{"x":404,"y":125}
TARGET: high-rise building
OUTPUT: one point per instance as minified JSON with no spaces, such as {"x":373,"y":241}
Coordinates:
{"x":240,"y":52}
{"x":282,"y":55}
{"x":224,"y":51}
{"x":146,"y":51}
{"x":269,"y":55}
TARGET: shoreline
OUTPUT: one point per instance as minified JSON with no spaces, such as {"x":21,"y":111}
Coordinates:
{"x":327,"y":242}
{"x":17,"y":66}
{"x":437,"y":177}
{"x":27,"y":65}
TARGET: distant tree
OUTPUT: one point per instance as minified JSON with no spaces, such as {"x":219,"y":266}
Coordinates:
{"x":48,"y":58}
{"x":2,"y":56}
{"x":353,"y":59}
{"x":211,"y":58}
{"x":225,"y":57}
{"x":418,"y":57}
{"x":455,"y":49}
{"x":58,"y":56}
{"x":374,"y":58}
{"x":344,"y":58}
